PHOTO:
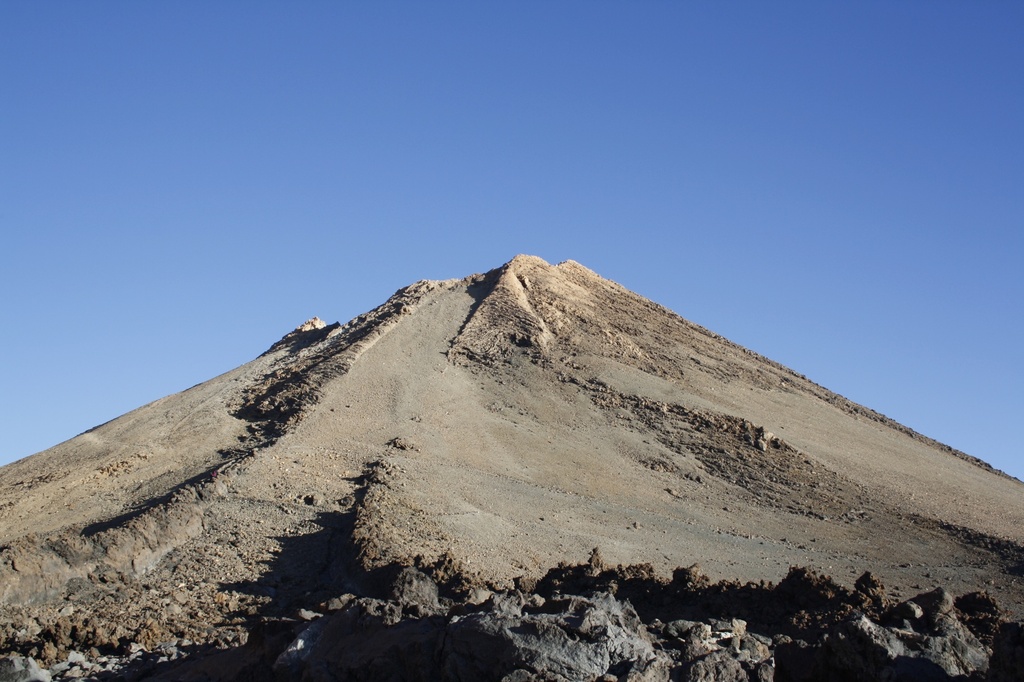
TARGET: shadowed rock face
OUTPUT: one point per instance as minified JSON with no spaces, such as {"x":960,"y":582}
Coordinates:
{"x":484,"y":430}
{"x":580,"y":623}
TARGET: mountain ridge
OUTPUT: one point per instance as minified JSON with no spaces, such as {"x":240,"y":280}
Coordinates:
{"x":488,"y":429}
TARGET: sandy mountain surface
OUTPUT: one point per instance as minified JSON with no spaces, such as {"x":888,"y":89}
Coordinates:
{"x":488,"y":428}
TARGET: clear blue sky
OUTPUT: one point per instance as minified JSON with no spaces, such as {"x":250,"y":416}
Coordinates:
{"x":836,"y":185}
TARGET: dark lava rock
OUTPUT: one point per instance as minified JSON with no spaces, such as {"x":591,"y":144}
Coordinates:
{"x":584,"y":639}
{"x":1007,"y":662}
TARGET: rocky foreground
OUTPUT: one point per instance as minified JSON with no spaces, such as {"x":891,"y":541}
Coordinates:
{"x":582,"y":622}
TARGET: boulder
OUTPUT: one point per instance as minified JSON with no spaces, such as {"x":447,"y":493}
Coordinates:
{"x":718,"y":666}
{"x":859,"y":649}
{"x":576,"y":638}
{"x":584,"y":639}
{"x":935,"y":604}
{"x":416,"y":593}
{"x":369,"y":641}
{"x":18,"y":669}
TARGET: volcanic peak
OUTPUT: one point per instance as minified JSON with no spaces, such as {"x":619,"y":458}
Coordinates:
{"x":493,"y":427}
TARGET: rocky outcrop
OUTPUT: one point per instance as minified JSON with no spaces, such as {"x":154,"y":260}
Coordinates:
{"x":18,"y":669}
{"x":581,"y":623}
{"x":520,"y":636}
{"x":34,"y":571}
{"x":860,"y":649}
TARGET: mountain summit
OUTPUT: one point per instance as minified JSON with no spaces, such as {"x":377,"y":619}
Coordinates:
{"x":490,"y":428}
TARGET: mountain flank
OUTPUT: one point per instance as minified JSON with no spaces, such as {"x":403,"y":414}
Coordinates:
{"x":487,"y":433}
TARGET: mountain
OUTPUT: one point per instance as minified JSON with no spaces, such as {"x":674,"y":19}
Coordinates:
{"x":484,"y":430}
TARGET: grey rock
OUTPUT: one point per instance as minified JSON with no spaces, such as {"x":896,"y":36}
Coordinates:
{"x":680,"y":628}
{"x":658,"y":669}
{"x":59,"y":668}
{"x":907,"y":610}
{"x":478,"y":595}
{"x":582,"y":638}
{"x":935,"y":604}
{"x":388,"y":613}
{"x":718,"y":666}
{"x":18,"y":669}
{"x":368,"y":643}
{"x":291,"y":660}
{"x":520,"y":676}
{"x":75,"y":658}
{"x":339,"y":603}
{"x":752,"y":649}
{"x":953,"y":647}
{"x":416,"y":593}
{"x":695,"y":646}
{"x":507,"y":604}
{"x":860,"y":649}
{"x":586,"y":639}
{"x":739,"y":627}
{"x":765,"y":672}
{"x":719,"y":625}
{"x":767,"y":641}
